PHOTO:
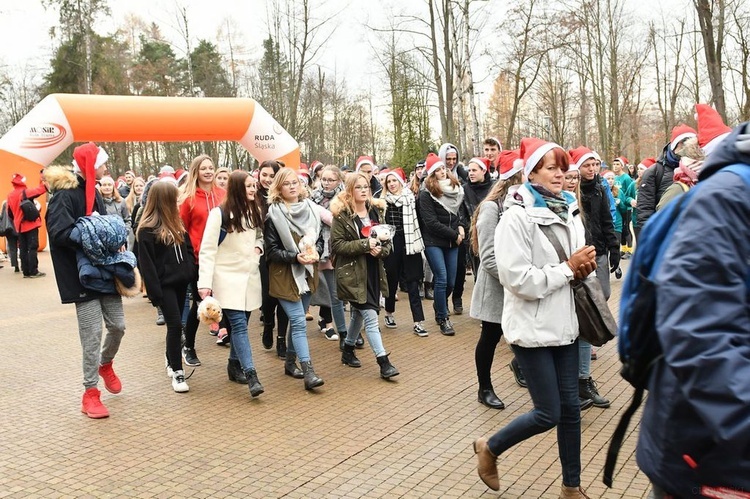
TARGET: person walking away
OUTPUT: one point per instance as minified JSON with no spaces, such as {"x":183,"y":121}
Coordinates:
{"x":75,"y":196}
{"x":539,"y":319}
{"x":27,"y":230}
{"x":165,"y":258}
{"x":626,"y":185}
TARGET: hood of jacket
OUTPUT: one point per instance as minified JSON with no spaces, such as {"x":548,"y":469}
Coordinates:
{"x":733,"y":149}
{"x":60,"y":178}
{"x":443,"y":151}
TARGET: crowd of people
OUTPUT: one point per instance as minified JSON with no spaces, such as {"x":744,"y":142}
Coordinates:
{"x":334,"y":238}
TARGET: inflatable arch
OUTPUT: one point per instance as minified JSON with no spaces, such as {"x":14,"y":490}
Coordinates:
{"x":59,"y":120}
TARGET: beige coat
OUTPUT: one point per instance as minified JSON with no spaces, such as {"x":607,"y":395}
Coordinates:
{"x":231,"y":267}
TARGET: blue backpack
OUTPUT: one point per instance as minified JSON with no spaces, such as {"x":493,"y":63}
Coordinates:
{"x":638,"y":341}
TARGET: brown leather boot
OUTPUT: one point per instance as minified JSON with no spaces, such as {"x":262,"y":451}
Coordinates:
{"x":486,"y":466}
{"x":573,"y":493}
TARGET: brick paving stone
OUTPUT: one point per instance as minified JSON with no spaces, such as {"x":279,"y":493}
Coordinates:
{"x":357,"y":436}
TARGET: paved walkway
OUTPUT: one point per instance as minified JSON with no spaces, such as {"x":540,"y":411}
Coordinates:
{"x":358,"y":436}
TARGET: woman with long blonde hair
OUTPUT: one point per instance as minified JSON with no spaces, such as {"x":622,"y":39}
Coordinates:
{"x":165,"y":258}
{"x":133,"y":202}
{"x":197,"y":198}
{"x":293,"y":248}
{"x":360,"y":273}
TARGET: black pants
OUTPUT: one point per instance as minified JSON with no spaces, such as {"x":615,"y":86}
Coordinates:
{"x":29,"y":244}
{"x":270,"y":305}
{"x":485,"y":351}
{"x":173,"y":301}
{"x":626,"y":239}
{"x":458,"y":287}
{"x":400,"y":266}
{"x":11,"y":247}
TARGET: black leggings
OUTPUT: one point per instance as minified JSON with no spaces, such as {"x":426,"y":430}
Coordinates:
{"x":172,"y":303}
{"x":485,"y":351}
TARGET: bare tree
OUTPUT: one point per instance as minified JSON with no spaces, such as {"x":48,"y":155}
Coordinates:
{"x":711,"y":16}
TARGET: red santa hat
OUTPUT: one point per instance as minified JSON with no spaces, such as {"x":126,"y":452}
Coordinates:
{"x":510,"y":163}
{"x":533,"y":150}
{"x":303,"y":173}
{"x":18,"y":180}
{"x":363,"y":160}
{"x":432,"y":163}
{"x":398,"y":173}
{"x":482,"y":163}
{"x":623,"y":160}
{"x":579,"y":156}
{"x":87,"y":158}
{"x":314,"y":166}
{"x":646,"y":163}
{"x":711,"y":128}
{"x":679,"y":133}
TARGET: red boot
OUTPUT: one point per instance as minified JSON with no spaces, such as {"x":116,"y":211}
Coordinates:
{"x":92,"y":406}
{"x":111,"y":381}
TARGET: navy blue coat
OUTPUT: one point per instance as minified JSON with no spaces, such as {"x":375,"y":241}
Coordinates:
{"x":695,"y":430}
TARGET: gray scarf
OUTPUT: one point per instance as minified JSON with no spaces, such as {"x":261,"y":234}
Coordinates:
{"x":303,"y":219}
{"x":452,"y":196}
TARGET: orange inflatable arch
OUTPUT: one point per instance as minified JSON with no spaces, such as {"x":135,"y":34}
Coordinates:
{"x":59,"y":120}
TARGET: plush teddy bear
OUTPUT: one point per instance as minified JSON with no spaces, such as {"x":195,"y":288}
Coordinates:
{"x":209,"y":310}
{"x":381,"y":232}
{"x":307,"y":247}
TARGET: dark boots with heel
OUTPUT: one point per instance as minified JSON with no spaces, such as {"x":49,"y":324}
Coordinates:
{"x":235,"y":372}
{"x":281,"y":346}
{"x":387,"y":370}
{"x":488,"y":397}
{"x":349,"y":358}
{"x":311,"y":379}
{"x":290,"y":366}
{"x":253,"y":383}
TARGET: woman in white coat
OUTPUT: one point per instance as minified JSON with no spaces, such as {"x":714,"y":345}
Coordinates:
{"x":539,"y":319}
{"x":229,"y":262}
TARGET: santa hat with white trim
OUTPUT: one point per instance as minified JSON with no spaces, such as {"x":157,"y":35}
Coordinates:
{"x":532,"y":152}
{"x":398,"y":173}
{"x":679,"y":133}
{"x":580,"y":155}
{"x":364,"y":160}
{"x":432,"y":163}
{"x":711,"y":128}
{"x":482,"y":163}
{"x":510,"y":163}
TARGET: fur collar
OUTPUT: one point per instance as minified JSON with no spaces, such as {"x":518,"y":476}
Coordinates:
{"x":60,"y":178}
{"x":338,"y":207}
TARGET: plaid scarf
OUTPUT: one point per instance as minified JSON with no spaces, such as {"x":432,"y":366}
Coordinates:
{"x":412,"y":233}
{"x":555,"y":202}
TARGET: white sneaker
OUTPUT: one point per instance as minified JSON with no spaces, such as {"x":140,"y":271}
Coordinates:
{"x":170,"y":372}
{"x":178,"y":382}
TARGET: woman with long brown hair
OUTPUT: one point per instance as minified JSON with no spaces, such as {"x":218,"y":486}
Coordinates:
{"x":197,"y":198}
{"x":165,"y":258}
{"x":293,"y":248}
{"x":229,"y":270}
{"x":487,"y":297}
{"x":439,"y":207}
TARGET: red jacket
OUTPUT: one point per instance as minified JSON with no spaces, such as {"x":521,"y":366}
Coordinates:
{"x":194,"y":213}
{"x":14,"y":204}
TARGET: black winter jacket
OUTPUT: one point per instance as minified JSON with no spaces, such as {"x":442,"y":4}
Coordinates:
{"x":67,"y":204}
{"x":164,"y":265}
{"x":648,"y":196}
{"x":473,"y":195}
{"x":439,"y":226}
{"x":597,"y":219}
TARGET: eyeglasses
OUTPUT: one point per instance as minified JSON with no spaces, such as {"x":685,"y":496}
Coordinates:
{"x":362,"y":187}
{"x":572,"y":178}
{"x":293,"y":183}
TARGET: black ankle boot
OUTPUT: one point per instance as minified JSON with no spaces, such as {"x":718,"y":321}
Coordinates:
{"x":518,"y":373}
{"x":587,"y":390}
{"x":360,"y":343}
{"x":488,"y":397}
{"x":253,"y":383}
{"x":311,"y":379}
{"x":387,"y":370}
{"x":267,"y":337}
{"x":429,"y":292}
{"x":290,"y":366}
{"x":281,"y":346}
{"x":235,"y":372}
{"x":349,"y":358}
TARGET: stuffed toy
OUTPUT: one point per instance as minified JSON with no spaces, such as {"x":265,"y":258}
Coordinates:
{"x":382,"y":233}
{"x":307,"y":247}
{"x":209,"y":310}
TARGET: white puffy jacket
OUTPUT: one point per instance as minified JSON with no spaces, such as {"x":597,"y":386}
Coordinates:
{"x":538,"y":309}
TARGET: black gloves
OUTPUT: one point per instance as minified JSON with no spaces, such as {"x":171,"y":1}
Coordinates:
{"x":614,"y":259}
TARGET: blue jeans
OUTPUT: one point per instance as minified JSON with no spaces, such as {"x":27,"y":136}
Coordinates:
{"x":337,"y":306}
{"x":584,"y":359}
{"x":297,"y":341}
{"x":552,"y":376}
{"x":370,"y":319}
{"x":443,"y":262}
{"x":239,"y":343}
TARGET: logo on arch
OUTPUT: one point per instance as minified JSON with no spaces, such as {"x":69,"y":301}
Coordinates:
{"x":44,"y":135}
